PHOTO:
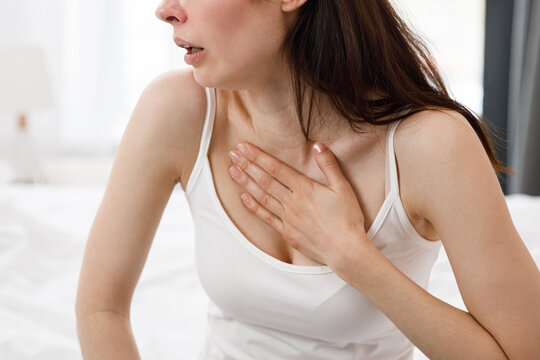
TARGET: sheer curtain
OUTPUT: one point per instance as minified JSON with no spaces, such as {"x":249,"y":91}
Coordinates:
{"x":114,"y":49}
{"x":454,"y":32}
{"x":101,"y":55}
{"x":524,"y":99}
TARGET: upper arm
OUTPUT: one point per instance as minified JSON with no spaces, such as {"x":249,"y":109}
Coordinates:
{"x":146,"y":168}
{"x":457,"y":190}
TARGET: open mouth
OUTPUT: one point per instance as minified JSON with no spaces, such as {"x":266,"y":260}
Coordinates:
{"x":192,"y":50}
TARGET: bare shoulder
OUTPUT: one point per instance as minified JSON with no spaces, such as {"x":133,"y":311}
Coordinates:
{"x":175,"y":104}
{"x":431,"y":142}
{"x":430,"y":127}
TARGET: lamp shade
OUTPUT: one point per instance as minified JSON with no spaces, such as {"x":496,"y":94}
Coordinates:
{"x":24,"y":79}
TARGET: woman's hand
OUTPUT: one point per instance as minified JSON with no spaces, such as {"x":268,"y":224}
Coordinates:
{"x":323,"y":222}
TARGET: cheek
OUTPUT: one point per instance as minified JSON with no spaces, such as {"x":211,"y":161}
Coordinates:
{"x":243,"y":41}
{"x":226,"y":22}
{"x":240,"y":32}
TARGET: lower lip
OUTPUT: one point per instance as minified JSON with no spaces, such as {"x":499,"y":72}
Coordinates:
{"x":192,"y":59}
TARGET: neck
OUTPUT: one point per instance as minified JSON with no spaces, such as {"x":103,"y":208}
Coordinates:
{"x":267,"y":116}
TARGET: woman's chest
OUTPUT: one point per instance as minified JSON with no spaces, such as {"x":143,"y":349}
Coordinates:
{"x":365,"y":172}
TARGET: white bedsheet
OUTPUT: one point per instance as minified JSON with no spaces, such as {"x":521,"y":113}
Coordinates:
{"x":43,"y":230}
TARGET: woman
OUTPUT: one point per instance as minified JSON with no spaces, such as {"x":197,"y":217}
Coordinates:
{"x":331,"y":256}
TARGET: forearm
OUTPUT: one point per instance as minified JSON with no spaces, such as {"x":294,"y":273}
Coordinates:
{"x":438,"y":329}
{"x":106,"y":335}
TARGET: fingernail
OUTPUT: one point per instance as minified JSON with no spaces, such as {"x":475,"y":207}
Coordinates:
{"x":234,"y":156}
{"x":319,"y":147}
{"x":243,"y":148}
{"x":234,"y":171}
{"x":245,"y":198}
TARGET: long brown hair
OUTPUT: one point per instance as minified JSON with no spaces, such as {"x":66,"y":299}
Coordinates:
{"x":347,"y":49}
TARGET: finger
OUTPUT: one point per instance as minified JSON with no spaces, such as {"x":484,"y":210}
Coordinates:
{"x":263,"y":198}
{"x":280,"y":171}
{"x":262,"y":213}
{"x":263,"y":179}
{"x":329,"y":165}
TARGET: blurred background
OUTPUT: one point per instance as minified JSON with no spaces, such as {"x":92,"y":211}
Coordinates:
{"x":83,"y":65}
{"x":71,"y":72}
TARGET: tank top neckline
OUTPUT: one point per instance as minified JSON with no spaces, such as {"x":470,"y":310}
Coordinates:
{"x":391,"y":188}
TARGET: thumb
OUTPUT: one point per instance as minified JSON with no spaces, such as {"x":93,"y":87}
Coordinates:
{"x":327,"y":162}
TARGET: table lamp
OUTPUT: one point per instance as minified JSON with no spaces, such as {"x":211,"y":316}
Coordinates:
{"x":24,"y":86}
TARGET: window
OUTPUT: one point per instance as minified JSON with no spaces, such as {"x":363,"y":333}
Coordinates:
{"x":454,"y":32}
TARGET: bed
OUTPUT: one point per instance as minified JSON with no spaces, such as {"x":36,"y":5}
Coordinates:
{"x":43,"y":230}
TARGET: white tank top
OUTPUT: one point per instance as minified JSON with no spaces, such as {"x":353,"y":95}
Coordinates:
{"x":263,"y":308}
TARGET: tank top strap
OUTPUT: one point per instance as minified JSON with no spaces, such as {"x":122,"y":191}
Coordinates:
{"x":391,"y":176}
{"x":208,"y":121}
{"x":205,"y":137}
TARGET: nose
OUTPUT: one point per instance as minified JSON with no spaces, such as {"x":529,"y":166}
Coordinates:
{"x":171,"y":12}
